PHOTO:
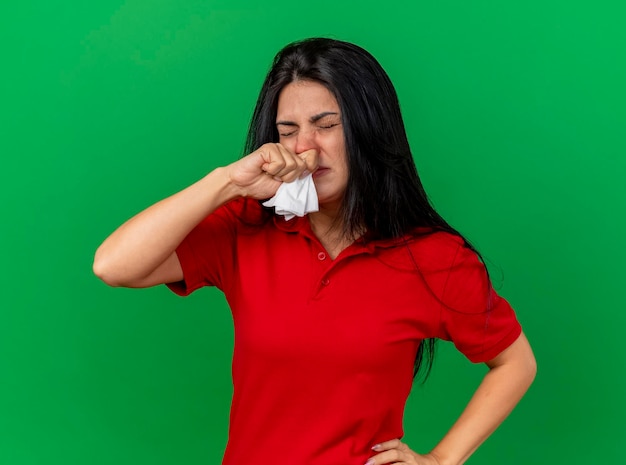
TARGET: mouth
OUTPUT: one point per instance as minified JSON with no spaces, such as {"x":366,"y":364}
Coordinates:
{"x":321,"y":171}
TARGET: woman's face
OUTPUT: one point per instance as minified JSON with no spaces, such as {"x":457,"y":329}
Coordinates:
{"x":308,"y":117}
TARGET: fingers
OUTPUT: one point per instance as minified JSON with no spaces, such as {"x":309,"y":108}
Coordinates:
{"x":284,"y":165}
{"x":280,"y":163}
{"x":393,"y":451}
{"x":395,"y":456}
{"x":387,"y":445}
{"x":311,"y":159}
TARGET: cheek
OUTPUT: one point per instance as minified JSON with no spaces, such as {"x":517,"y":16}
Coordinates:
{"x":288,"y":143}
{"x":337,"y":148}
{"x":343,"y":156}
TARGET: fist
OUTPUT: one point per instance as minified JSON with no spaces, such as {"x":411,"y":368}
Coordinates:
{"x":259,"y":174}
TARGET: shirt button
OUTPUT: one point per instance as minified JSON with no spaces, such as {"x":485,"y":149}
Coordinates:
{"x":321,"y":256}
{"x":325,"y":281}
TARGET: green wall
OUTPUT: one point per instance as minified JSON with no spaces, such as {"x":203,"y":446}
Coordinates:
{"x":516,"y":115}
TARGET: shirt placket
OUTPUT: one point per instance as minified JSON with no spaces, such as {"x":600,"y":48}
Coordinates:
{"x":327,"y":267}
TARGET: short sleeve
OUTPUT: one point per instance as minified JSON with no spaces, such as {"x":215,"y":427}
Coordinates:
{"x":479,"y":322}
{"x":208,"y":254}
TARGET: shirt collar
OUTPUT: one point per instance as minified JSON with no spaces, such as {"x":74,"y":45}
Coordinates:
{"x":301,"y":225}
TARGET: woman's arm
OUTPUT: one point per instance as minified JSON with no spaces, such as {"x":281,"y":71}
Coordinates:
{"x":141,"y":252}
{"x":510,"y":375}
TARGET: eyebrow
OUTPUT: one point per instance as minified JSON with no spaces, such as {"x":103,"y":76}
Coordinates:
{"x":312,"y":119}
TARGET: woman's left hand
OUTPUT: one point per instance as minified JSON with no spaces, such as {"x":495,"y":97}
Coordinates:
{"x":398,"y":453}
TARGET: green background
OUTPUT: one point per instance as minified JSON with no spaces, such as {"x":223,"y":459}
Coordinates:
{"x":516,"y":116}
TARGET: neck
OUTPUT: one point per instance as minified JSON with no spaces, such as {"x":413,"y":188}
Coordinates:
{"x":323,"y":221}
{"x":329,"y":229}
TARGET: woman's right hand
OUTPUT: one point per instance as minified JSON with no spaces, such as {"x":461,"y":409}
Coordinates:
{"x":259,"y":174}
{"x":141,"y":252}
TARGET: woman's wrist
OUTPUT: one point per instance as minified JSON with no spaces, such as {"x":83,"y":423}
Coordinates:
{"x":224,"y":189}
{"x":439,"y":459}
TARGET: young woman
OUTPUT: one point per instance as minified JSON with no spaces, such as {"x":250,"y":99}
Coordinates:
{"x":333,"y":311}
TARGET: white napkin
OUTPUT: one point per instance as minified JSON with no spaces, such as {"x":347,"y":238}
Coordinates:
{"x":295,"y":198}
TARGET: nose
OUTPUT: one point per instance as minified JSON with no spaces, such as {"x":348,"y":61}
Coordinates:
{"x":305,"y":140}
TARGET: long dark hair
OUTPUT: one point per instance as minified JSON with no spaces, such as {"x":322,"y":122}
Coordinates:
{"x":384,"y":197}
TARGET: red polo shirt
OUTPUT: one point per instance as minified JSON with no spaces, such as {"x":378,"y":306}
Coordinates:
{"x":324,"y":349}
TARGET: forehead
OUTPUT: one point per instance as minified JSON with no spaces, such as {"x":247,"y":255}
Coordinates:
{"x":305,"y":98}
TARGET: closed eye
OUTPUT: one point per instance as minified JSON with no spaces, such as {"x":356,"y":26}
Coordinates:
{"x":328,"y":126}
{"x":286,"y":129}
